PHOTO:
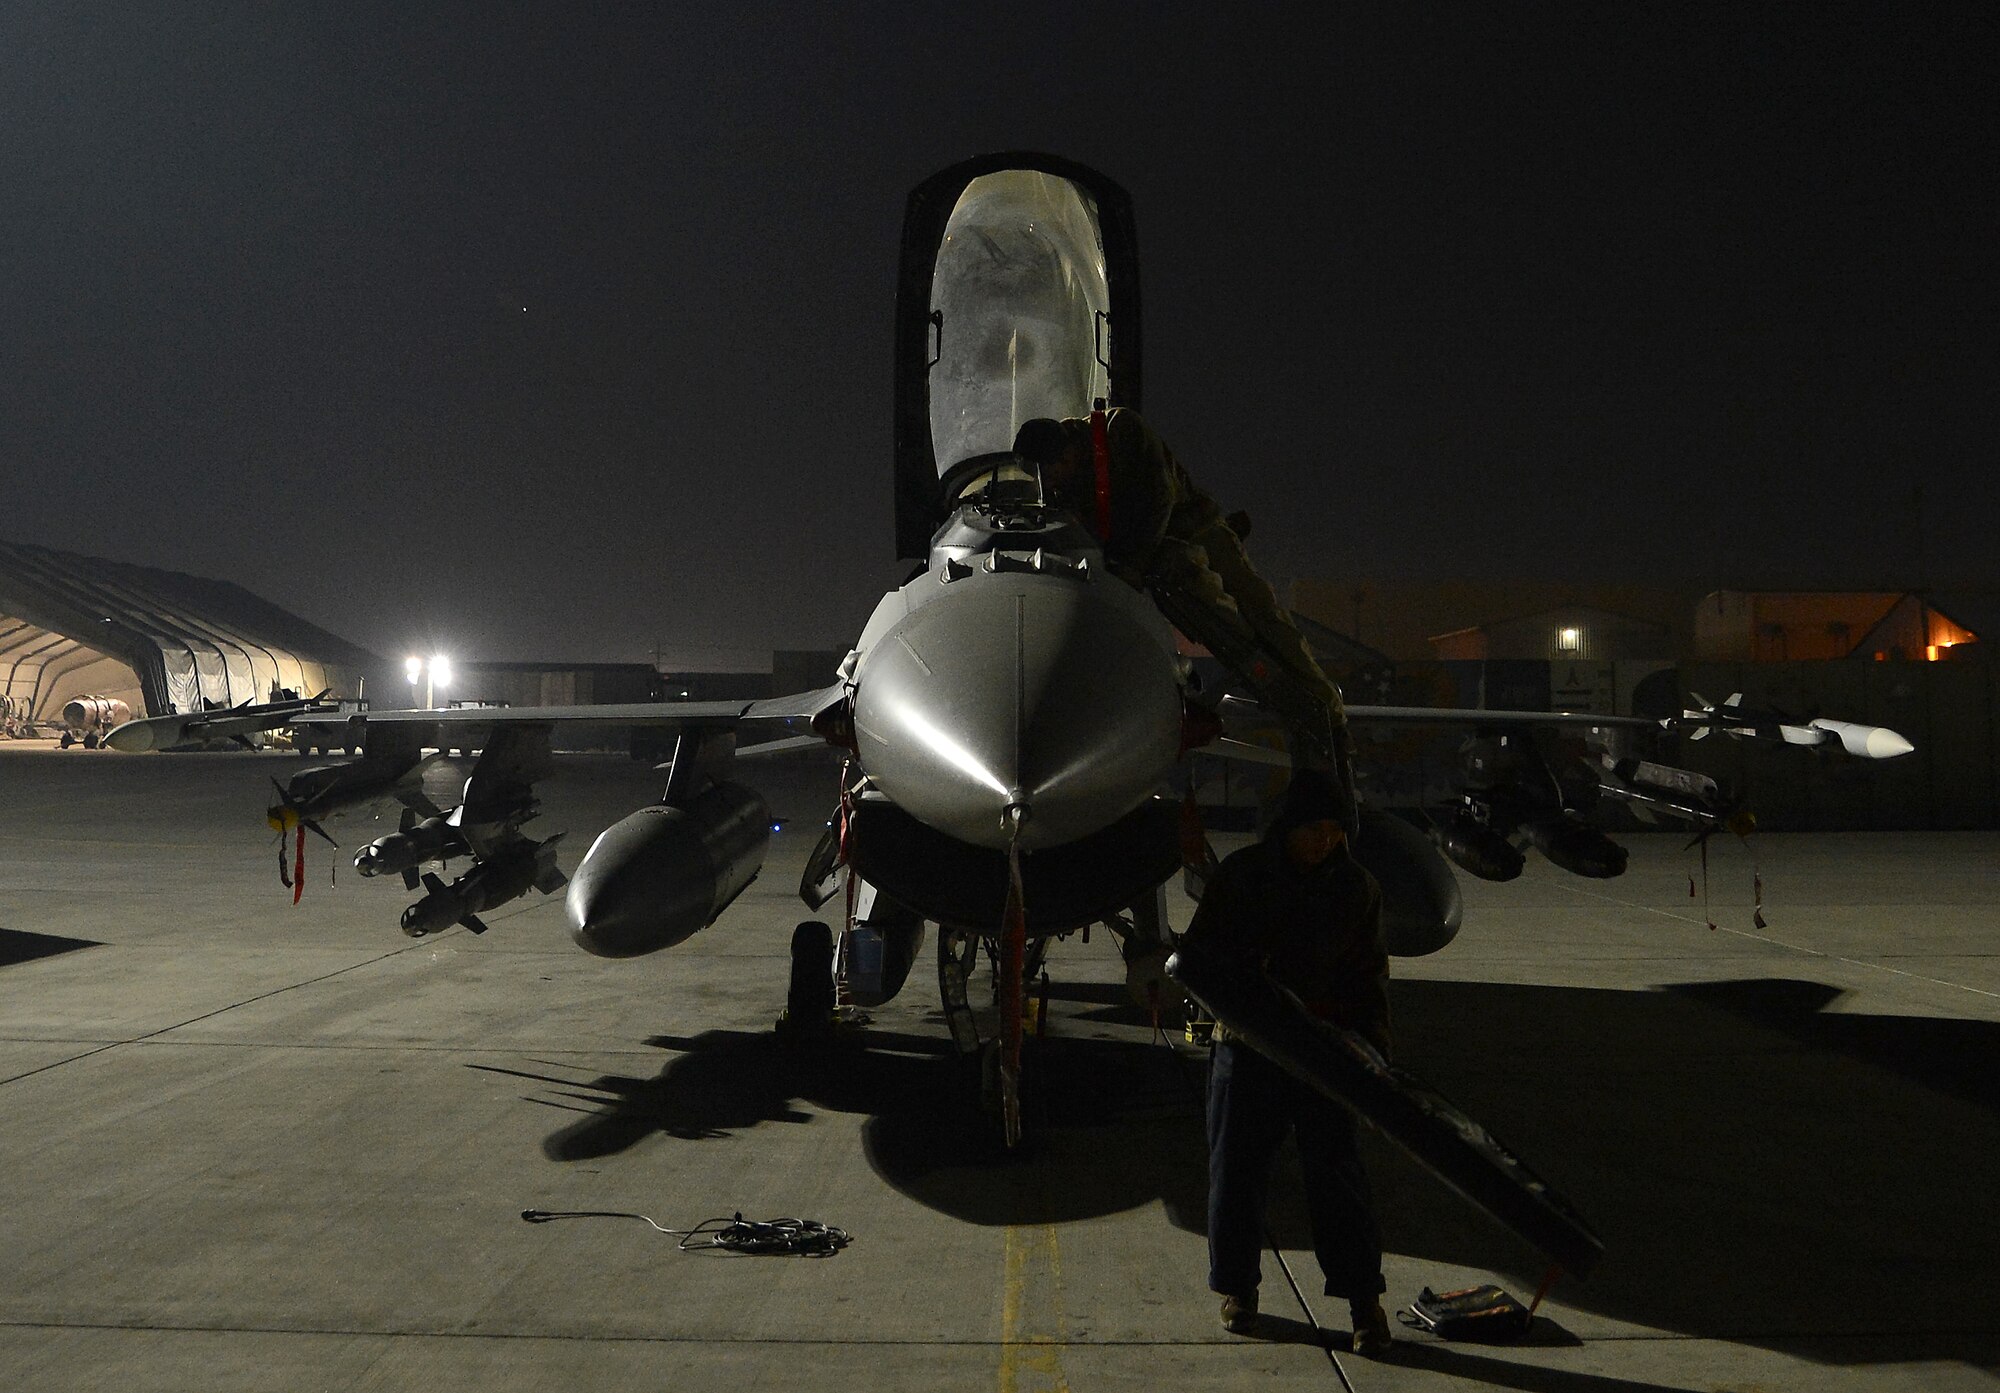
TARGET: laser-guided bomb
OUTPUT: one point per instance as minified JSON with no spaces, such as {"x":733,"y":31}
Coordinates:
{"x":434,"y":838}
{"x":507,"y":874}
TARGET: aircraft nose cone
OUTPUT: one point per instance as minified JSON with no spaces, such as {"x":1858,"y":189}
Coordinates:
{"x":1020,"y":688}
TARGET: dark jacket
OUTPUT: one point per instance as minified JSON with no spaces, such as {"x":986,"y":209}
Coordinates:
{"x":1317,"y":932}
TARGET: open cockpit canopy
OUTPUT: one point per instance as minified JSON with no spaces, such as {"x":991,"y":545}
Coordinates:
{"x":1018,"y":297}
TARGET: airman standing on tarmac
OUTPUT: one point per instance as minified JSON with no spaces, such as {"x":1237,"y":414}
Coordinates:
{"x":1297,"y":907}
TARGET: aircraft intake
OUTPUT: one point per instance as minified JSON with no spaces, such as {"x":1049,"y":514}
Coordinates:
{"x":954,"y":882}
{"x":1576,"y":847}
{"x":657,"y":877}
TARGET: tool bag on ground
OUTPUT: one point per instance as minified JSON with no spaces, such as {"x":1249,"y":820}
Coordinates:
{"x":1483,"y":1313}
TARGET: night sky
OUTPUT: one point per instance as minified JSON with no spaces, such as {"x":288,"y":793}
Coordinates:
{"x":558,"y":331}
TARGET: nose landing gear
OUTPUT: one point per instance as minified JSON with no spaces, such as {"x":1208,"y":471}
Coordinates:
{"x":809,"y":1001}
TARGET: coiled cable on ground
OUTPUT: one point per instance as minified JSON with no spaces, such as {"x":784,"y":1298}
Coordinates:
{"x":806,"y":1238}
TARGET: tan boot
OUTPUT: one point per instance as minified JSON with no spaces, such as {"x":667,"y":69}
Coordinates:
{"x":1371,"y":1329}
{"x":1239,"y":1313}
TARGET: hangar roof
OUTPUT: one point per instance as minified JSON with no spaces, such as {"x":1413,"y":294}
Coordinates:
{"x":189,"y":639}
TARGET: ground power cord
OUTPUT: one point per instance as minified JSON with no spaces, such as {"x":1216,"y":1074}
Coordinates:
{"x":804,"y":1238}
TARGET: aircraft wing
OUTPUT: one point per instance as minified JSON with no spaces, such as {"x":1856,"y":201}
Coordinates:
{"x":796,"y":706}
{"x":1444,"y":715}
{"x":464,"y":720}
{"x":1512,"y":789}
{"x":1728,"y":718}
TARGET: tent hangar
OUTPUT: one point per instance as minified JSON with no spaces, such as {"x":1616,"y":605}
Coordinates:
{"x":74,"y":627}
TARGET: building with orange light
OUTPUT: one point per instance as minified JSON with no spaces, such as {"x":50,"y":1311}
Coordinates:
{"x":1804,"y":625}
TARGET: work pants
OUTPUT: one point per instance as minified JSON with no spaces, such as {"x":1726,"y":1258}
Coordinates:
{"x":1252,"y":1104}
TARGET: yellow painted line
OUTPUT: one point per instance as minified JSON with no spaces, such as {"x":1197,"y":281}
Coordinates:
{"x":1033,"y":1329}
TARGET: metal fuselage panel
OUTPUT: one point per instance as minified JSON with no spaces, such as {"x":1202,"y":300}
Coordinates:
{"x":1017,"y":672}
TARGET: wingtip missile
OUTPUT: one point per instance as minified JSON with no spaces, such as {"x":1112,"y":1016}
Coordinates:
{"x":133,"y":737}
{"x":1861,"y":741}
{"x":1733,"y":718}
{"x":1867,"y":742}
{"x":213,"y":722}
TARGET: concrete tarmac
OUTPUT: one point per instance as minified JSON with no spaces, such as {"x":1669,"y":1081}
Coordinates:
{"x":247,"y":1145}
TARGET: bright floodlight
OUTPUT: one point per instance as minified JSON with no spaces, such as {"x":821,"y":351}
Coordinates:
{"x":413,"y":668}
{"x":441,"y":670}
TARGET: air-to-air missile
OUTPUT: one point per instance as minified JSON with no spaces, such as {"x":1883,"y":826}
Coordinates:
{"x":211,"y":723}
{"x":509,"y":873}
{"x":1733,"y":718}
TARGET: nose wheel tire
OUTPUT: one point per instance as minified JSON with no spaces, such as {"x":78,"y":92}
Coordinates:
{"x":809,"y":1001}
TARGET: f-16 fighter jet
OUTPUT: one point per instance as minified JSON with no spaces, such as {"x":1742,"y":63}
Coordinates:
{"x":1013,"y":714}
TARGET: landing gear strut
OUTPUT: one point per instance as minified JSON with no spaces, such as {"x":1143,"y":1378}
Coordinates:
{"x":957,"y":952}
{"x":958,"y":955}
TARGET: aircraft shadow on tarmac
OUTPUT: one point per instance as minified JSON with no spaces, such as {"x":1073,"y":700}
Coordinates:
{"x":924,"y":1133}
{"x":1760,"y":1171}
{"x":20,"y":946}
